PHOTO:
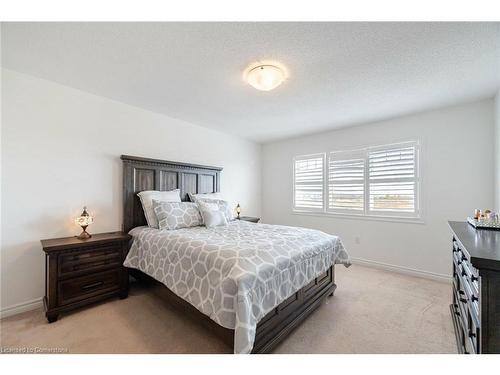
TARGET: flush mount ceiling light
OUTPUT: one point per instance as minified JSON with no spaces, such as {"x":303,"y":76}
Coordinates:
{"x":265,"y":76}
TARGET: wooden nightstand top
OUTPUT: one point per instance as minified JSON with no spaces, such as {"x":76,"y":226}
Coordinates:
{"x":57,"y":244}
{"x":250,"y":218}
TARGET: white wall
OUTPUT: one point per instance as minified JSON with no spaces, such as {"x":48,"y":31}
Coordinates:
{"x":60,"y":151}
{"x":457,"y":177}
{"x":497,"y":152}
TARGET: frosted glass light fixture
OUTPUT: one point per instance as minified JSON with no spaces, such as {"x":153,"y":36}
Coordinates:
{"x":265,"y":77}
{"x":84,"y":220}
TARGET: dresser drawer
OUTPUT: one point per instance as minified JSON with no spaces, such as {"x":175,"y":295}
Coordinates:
{"x":460,"y":306}
{"x":474,"y":332}
{"x":76,"y":263}
{"x":79,"y":288}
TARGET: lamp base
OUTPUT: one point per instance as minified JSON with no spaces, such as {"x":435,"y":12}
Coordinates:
{"x":84,"y":235}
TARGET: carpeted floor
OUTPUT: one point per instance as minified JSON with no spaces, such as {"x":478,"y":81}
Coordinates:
{"x":373,"y":311}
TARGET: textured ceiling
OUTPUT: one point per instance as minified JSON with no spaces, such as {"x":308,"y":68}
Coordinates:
{"x":341,"y":74}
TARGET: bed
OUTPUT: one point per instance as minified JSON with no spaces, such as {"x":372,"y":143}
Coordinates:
{"x":250,"y":283}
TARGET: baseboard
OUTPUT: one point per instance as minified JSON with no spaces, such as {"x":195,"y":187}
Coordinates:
{"x":37,"y":303}
{"x":403,"y":270}
{"x":21,"y":307}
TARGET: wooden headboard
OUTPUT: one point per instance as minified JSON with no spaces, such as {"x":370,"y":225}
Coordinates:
{"x":150,"y":174}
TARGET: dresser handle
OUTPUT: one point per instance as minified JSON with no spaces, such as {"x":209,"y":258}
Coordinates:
{"x":463,"y":300}
{"x":93,"y":285}
{"x":472,"y":334}
{"x":464,"y":257}
{"x":461,"y":292}
{"x":474,"y":278}
{"x":474,"y":298}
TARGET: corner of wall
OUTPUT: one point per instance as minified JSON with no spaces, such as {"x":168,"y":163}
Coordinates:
{"x":497,"y":151}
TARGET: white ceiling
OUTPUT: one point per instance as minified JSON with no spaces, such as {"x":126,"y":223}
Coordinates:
{"x":341,"y":74}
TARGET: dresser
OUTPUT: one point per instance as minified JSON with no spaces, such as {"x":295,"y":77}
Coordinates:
{"x":476,"y":288}
{"x":80,"y":272}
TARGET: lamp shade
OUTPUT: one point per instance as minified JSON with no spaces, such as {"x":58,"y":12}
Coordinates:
{"x":84,"y":220}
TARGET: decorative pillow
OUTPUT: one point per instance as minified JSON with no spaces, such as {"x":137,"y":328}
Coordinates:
{"x":222,"y":205}
{"x":147,"y":197}
{"x":194,"y":197}
{"x":211,"y":213}
{"x":176,"y":215}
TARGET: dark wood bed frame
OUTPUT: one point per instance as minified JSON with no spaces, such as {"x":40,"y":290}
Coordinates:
{"x":149,"y":174}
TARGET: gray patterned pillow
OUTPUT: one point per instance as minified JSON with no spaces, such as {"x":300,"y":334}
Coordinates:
{"x":176,"y":215}
{"x":223,"y":206}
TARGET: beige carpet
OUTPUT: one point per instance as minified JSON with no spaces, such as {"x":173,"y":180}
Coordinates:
{"x":372,"y":311}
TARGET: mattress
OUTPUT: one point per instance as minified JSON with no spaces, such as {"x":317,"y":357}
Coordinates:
{"x":235,"y":274}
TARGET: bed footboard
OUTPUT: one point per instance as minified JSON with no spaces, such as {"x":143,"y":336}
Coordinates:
{"x":274,"y":327}
{"x":279,"y":323}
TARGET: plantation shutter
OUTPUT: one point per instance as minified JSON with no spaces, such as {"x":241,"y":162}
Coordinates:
{"x":309,"y":182}
{"x":393,"y":180}
{"x":346,"y":182}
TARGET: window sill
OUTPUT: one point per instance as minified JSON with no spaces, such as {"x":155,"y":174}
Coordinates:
{"x":392,"y":219}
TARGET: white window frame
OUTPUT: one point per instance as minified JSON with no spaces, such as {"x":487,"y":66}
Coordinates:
{"x":305,"y":157}
{"x":411,"y":217}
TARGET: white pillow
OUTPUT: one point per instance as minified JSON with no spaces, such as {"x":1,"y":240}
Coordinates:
{"x":194,"y":197}
{"x":147,"y":197}
{"x":212,"y":215}
{"x":222,"y":205}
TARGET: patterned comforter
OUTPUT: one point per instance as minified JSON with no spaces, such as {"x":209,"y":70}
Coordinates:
{"x":235,"y":274}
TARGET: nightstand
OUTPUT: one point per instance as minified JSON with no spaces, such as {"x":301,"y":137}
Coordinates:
{"x":80,"y":272}
{"x":250,"y":218}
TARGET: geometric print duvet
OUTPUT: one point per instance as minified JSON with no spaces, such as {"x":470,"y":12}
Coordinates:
{"x":235,"y":274}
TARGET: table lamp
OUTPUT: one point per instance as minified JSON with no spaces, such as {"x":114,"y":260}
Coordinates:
{"x":84,"y":220}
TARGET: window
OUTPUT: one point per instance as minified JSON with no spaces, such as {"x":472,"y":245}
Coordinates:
{"x":308,"y":182}
{"x":346,"y":182}
{"x":373,"y":181}
{"x":393,"y":180}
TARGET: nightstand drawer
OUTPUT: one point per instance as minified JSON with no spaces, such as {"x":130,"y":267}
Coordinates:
{"x":79,"y":288}
{"x":98,"y":258}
